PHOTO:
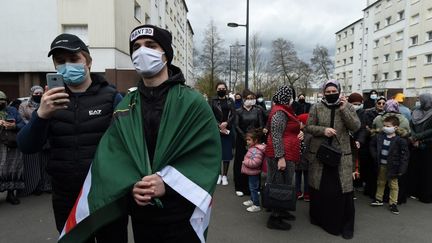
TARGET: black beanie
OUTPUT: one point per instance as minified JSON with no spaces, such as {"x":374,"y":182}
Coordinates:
{"x":161,"y":36}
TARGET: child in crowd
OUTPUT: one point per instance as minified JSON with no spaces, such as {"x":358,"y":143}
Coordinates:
{"x":391,"y":155}
{"x":251,"y":166}
{"x":301,"y":169}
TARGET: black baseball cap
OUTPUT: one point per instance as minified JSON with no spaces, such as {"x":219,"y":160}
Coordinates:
{"x":68,"y":42}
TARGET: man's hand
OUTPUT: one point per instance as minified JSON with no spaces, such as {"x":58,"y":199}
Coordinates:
{"x":343,"y":102}
{"x":356,"y":175}
{"x":7,"y":125}
{"x":151,"y":186}
{"x":52,"y":100}
{"x":300,"y":136}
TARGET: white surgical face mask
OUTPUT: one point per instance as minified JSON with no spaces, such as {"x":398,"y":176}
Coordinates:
{"x":389,"y":130}
{"x":249,"y":103}
{"x":373,"y":96}
{"x":358,"y":107}
{"x":417,"y":104}
{"x":147,"y":62}
{"x":260,"y":99}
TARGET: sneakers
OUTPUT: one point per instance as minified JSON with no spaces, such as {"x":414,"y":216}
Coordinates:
{"x":239,"y":194}
{"x":248,"y":203}
{"x":394,"y":209}
{"x":306,"y":197}
{"x":376,"y":203}
{"x":224,"y":180}
{"x":277,"y":223}
{"x":219,"y":180}
{"x":299,"y":195}
{"x":253,"y":209}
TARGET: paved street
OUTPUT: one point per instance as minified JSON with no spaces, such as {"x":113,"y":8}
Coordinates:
{"x":32,"y":222}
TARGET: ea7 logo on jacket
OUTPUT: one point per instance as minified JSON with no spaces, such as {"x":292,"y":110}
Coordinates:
{"x":95,"y":112}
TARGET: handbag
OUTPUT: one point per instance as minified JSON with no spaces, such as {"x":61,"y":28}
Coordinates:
{"x":8,"y":137}
{"x":326,"y":153}
{"x":279,"y":196}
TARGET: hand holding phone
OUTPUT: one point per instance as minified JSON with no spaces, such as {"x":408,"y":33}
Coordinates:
{"x":54,"y":80}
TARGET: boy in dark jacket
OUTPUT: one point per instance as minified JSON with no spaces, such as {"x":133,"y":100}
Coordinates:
{"x":390,"y":152}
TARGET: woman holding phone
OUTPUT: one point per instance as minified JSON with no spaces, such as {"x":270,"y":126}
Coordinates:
{"x":11,"y":166}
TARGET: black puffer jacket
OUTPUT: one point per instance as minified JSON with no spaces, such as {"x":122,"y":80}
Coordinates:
{"x":74,"y":133}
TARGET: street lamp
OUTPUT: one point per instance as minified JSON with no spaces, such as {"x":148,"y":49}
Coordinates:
{"x":229,"y":87}
{"x":247,"y":42}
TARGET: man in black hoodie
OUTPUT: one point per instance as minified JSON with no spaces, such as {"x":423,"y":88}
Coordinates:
{"x":72,"y":119}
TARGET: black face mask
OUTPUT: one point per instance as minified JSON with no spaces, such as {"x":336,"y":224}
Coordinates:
{"x":332,"y":98}
{"x":2,"y":106}
{"x":36,"y":98}
{"x":302,"y":101}
{"x":221,"y":93}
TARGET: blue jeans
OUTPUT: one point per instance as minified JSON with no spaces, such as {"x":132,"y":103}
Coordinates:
{"x":254,"y":188}
{"x":298,"y":181}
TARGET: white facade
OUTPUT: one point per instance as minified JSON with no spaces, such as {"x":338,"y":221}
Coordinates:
{"x":104,"y":25}
{"x":396,"y":44}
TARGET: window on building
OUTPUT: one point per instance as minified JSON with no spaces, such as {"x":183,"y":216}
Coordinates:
{"x":377,"y":26}
{"x":366,"y":30}
{"x":386,"y":57}
{"x":345,"y":34}
{"x":385,"y":76}
{"x":367,"y":14}
{"x":415,"y":19}
{"x":411,"y":82}
{"x":79,"y":30}
{"x":339,"y":37}
{"x":427,"y":81}
{"x":412,"y":62}
{"x":387,"y":40}
{"x":375,"y":77}
{"x":428,"y":58}
{"x":399,"y":35}
{"x":338,"y":51}
{"x":345,"y":48}
{"x":376,"y":43}
{"x":429,"y":36}
{"x":398,"y":55}
{"x":397,"y":74}
{"x":352,"y":31}
{"x":387,"y":21}
{"x":414,"y":40}
{"x":429,"y":13}
{"x":351,"y":59}
{"x":137,"y":12}
{"x":344,"y":61}
{"x":147,"y":19}
{"x":352,"y":45}
{"x":375,"y":60}
{"x":401,"y":15}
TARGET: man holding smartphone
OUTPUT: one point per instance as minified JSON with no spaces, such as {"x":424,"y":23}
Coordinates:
{"x":72,"y":119}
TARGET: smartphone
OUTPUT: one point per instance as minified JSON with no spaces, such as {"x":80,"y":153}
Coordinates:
{"x":11,"y":120}
{"x":54,"y":80}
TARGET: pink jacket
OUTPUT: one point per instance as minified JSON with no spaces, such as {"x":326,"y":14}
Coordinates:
{"x":253,"y":160}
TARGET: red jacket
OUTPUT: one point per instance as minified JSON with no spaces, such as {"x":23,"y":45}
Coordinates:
{"x":253,"y":160}
{"x":289,"y":137}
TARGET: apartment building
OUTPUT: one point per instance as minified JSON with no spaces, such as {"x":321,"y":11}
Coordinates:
{"x":104,"y":25}
{"x":396,"y":48}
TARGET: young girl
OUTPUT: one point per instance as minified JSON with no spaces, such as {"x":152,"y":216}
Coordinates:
{"x":251,"y":166}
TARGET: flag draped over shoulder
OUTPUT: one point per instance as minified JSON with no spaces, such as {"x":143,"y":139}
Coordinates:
{"x":187,"y":157}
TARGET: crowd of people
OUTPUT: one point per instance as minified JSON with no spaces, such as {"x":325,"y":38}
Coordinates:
{"x":383,"y":147}
{"x":170,"y":148}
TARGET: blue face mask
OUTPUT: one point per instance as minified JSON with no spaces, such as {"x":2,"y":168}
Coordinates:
{"x":73,"y":74}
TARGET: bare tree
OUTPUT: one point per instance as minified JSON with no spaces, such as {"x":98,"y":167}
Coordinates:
{"x":256,"y":61}
{"x":212,"y":57}
{"x":321,"y":63}
{"x":286,"y":63}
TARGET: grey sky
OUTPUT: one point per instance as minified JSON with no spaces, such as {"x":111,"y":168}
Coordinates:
{"x":304,"y":22}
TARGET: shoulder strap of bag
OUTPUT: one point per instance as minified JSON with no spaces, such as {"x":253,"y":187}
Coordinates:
{"x":332,"y":118}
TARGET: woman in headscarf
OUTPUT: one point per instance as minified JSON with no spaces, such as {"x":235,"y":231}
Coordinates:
{"x":283,"y":149}
{"x":421,"y":137}
{"x":11,"y":166}
{"x":249,"y":117}
{"x":36,"y":179}
{"x":331,"y":188}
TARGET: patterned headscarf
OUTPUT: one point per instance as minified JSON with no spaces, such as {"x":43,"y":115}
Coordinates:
{"x":391,"y":106}
{"x":283,"y":95}
{"x":424,"y":112}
